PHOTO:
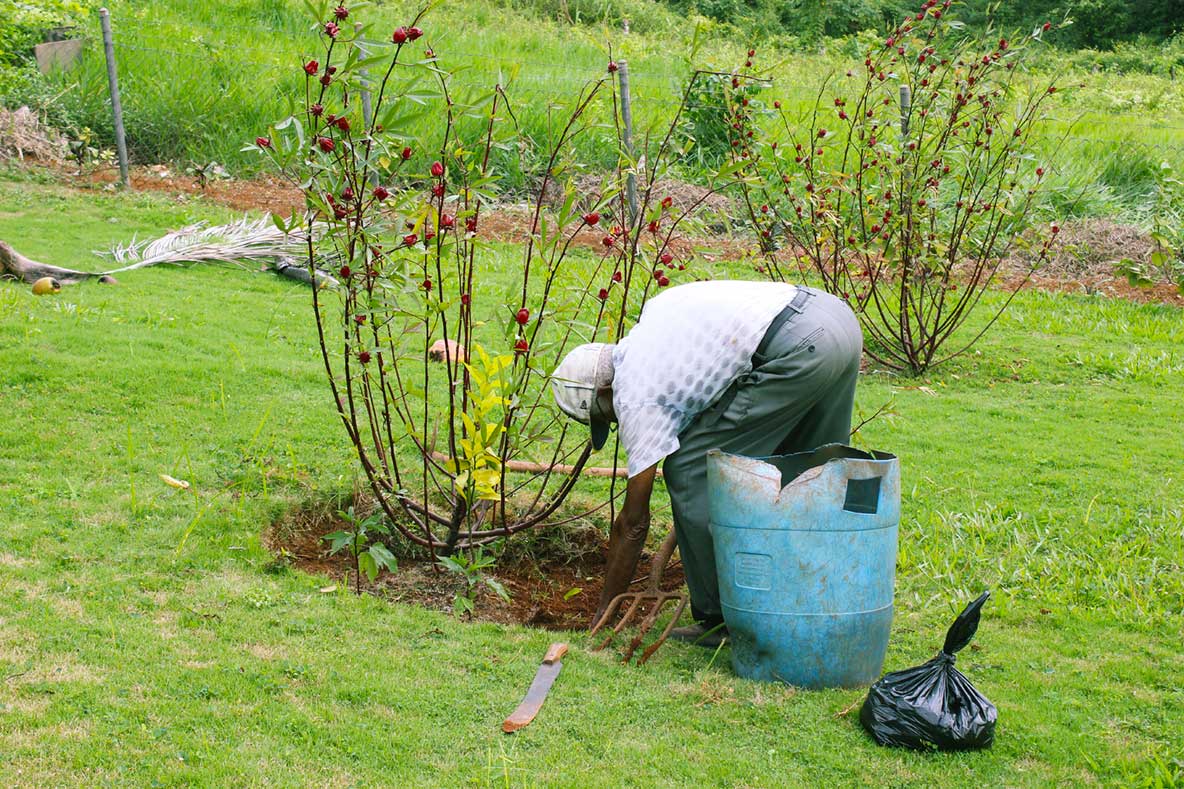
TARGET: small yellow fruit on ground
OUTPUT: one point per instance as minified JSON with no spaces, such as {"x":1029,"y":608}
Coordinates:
{"x":46,"y":285}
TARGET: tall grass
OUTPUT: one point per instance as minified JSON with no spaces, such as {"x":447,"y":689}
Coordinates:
{"x":201,"y":79}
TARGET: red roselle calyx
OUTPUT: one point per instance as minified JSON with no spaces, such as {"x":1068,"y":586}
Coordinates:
{"x":364,"y":357}
{"x":263,"y":142}
{"x":602,"y":294}
{"x":522,"y":316}
{"x":437,"y":169}
{"x":325,"y":144}
{"x":316,"y":110}
{"x":612,"y":67}
{"x":521,"y":346}
{"x":400,"y":35}
{"x":617,"y":276}
{"x":413,"y":33}
{"x":592,"y":218}
{"x":331,"y":29}
{"x":381,"y":193}
{"x":311,"y":68}
{"x":340,"y":13}
{"x":405,"y":153}
{"x":410,"y":239}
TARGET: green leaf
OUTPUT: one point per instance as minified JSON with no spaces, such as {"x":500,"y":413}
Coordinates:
{"x":383,"y":557}
{"x":338,"y":540}
{"x":368,"y":565}
{"x":498,"y":589}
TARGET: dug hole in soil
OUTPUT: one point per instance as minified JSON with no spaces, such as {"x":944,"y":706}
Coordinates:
{"x":554,"y":577}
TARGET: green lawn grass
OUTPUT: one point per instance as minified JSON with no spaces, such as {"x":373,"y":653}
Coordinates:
{"x":146,"y":637}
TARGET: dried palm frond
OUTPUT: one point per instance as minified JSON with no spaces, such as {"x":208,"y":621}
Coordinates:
{"x":236,"y":243}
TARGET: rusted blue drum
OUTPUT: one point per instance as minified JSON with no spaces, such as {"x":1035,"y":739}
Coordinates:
{"x":805,"y":549}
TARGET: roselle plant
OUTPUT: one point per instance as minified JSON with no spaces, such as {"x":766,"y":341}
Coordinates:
{"x":438,"y":354}
{"x":906,"y":184}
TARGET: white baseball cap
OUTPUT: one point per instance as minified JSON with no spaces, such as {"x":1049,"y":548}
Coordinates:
{"x":575,"y":381}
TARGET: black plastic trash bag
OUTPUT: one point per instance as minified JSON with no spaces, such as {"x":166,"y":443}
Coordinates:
{"x":933,"y":705}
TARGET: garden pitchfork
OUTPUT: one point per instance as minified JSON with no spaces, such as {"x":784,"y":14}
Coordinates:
{"x":654,"y":597}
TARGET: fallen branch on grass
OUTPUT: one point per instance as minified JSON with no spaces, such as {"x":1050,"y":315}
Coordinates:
{"x":238,"y":243}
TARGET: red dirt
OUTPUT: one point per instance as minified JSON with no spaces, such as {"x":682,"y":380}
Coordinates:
{"x":1084,"y":259}
{"x":550,"y":593}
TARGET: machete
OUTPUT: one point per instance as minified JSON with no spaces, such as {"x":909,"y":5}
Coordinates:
{"x":538,"y":689}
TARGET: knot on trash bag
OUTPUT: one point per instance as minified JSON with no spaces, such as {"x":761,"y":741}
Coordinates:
{"x":945,"y":659}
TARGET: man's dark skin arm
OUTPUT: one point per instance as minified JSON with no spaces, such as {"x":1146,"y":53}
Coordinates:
{"x":627,"y":537}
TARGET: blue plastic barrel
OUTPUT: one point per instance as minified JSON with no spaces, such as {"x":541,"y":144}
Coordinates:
{"x":805,"y":550}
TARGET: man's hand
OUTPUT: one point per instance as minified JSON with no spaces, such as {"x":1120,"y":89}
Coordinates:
{"x":627,"y":538}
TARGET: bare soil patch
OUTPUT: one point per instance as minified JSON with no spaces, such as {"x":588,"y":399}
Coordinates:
{"x":1084,"y":260}
{"x":554,"y":582}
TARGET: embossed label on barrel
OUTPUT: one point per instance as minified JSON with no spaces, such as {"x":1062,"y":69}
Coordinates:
{"x":754,"y":571}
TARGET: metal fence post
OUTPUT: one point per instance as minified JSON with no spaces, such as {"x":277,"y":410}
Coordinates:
{"x":906,"y":104}
{"x":116,"y":107}
{"x":627,"y":124}
{"x":367,"y":107}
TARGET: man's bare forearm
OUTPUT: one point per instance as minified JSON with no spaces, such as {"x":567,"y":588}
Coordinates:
{"x":627,"y":538}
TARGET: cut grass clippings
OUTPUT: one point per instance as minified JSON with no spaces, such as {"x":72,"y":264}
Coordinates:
{"x":147,"y":636}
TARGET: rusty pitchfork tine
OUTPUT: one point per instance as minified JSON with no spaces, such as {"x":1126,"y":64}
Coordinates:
{"x":652,"y":593}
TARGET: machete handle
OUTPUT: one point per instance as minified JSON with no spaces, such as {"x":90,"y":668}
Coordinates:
{"x":555,"y":653}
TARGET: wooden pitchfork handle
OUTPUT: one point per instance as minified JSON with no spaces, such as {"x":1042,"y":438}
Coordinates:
{"x":558,"y":468}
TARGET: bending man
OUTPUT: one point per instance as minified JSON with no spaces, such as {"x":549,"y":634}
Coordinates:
{"x":752,"y":368}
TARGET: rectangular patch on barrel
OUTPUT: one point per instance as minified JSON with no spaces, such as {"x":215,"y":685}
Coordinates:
{"x":754,"y":571}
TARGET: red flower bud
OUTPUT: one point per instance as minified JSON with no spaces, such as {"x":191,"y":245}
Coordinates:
{"x":437,"y":169}
{"x":591,"y":219}
{"x":522,"y":346}
{"x":325,"y":144}
{"x":437,"y":190}
{"x":347,"y":194}
{"x":413,"y":33}
{"x":752,"y":53}
{"x":776,"y":105}
{"x":666,"y":258}
{"x":663,"y":281}
{"x":410,"y":239}
{"x":326,"y":79}
{"x":764,"y":209}
{"x":343,"y":124}
{"x":1046,"y":26}
{"x":344,"y":271}
{"x":331,"y":29}
{"x":263,"y":142}
{"x":617,"y":276}
{"x":602,"y":294}
{"x":400,"y":35}
{"x":339,"y":212}
{"x":446,"y":220}
{"x":612,"y":67}
{"x":607,"y":241}
{"x":311,"y":67}
{"x":360,"y":319}
{"x":1039,"y":172}
{"x":426,"y":284}
{"x":364,"y":357}
{"x":471,"y":224}
{"x":522,"y":316}
{"x":667,"y":201}
{"x":406,"y":154}
{"x":466,"y":299}
{"x":316,"y":110}
{"x":340,"y":12}
{"x":652,"y":226}
{"x":381,"y":193}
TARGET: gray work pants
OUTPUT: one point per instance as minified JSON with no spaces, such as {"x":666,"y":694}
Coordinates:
{"x":798,"y":396}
